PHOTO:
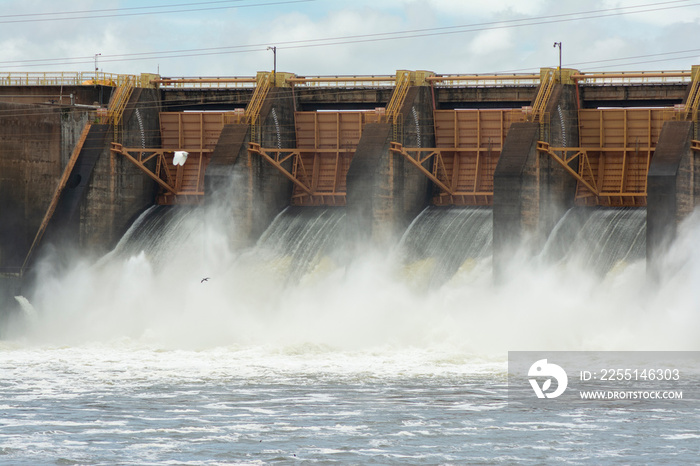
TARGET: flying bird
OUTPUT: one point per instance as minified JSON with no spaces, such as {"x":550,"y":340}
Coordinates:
{"x":205,"y":279}
{"x":180,"y":157}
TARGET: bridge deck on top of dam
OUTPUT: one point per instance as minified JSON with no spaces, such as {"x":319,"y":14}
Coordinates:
{"x":347,"y":92}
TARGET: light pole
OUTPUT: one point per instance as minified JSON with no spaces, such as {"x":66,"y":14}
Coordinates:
{"x":274,"y":63}
{"x":558,"y":44}
{"x":96,"y":55}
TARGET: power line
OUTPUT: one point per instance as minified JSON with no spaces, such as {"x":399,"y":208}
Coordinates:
{"x":362,"y":38}
{"x":114,"y":15}
{"x":172,"y":5}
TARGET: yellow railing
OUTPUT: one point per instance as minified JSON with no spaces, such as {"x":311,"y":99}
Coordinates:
{"x":252,"y":110}
{"x":484,"y":80}
{"x":393,"y":108}
{"x":117,"y":105}
{"x":78,"y":78}
{"x":206,"y":82}
{"x":403,"y":81}
{"x":690,"y":110}
{"x":343,"y":81}
{"x":543,"y":94}
{"x":118,"y":102}
{"x":632,"y":77}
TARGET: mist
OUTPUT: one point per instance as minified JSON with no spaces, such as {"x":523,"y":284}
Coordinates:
{"x":155,"y":295}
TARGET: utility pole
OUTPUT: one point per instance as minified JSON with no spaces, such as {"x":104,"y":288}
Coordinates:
{"x":274,"y":61}
{"x":96,"y":55}
{"x":558,"y":44}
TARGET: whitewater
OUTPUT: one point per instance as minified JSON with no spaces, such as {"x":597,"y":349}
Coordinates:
{"x":333,"y":354}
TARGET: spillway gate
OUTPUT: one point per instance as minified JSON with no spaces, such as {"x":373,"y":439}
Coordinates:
{"x":325,"y":144}
{"x":194,"y":132}
{"x":613,"y":156}
{"x":468,"y":146}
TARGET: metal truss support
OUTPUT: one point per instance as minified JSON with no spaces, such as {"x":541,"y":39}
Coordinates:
{"x":563,"y":159}
{"x":278,"y":157}
{"x":447,"y":175}
{"x":418,"y":160}
{"x":610,"y":184}
{"x":306,"y":176}
{"x":180,"y":184}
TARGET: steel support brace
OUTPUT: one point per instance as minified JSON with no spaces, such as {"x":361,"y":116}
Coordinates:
{"x":417,"y":161}
{"x":140,"y":161}
{"x":564,"y":161}
{"x":276,"y":160}
{"x":559,"y":154}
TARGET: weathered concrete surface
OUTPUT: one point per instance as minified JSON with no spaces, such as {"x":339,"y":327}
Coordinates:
{"x":118,"y":190}
{"x":107,"y":192}
{"x":56,"y":95}
{"x":179,"y":100}
{"x":515,"y":194}
{"x":228,"y":147}
{"x":33,"y":153}
{"x":411,"y":189}
{"x":10,"y":286}
{"x":673,"y":185}
{"x":369,"y":201}
{"x":484,"y":97}
{"x":557,"y":188}
{"x":258,"y":189}
{"x":65,"y":224}
{"x":338,"y":98}
{"x":384,"y":191}
{"x":593,"y":96}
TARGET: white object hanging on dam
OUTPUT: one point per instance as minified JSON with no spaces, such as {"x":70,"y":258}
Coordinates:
{"x":180,"y":157}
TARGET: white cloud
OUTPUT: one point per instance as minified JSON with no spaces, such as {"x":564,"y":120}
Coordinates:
{"x":654,"y":13}
{"x":440,"y":47}
{"x":489,"y":42}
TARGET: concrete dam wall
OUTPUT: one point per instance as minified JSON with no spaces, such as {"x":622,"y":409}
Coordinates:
{"x":528,"y":149}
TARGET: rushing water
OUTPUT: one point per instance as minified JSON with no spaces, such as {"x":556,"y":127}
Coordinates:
{"x":441,"y":240}
{"x":136,"y":360}
{"x":598,"y":239}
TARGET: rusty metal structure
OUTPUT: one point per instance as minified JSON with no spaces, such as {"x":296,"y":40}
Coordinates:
{"x":194,"y":132}
{"x":612,"y":160}
{"x":610,"y":163}
{"x":326,"y":143}
{"x":468,"y":146}
{"x":318,"y":165}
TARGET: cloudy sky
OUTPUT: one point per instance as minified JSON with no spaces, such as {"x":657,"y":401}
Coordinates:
{"x":343,"y":37}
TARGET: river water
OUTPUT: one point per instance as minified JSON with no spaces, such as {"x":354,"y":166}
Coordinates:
{"x":136,"y":360}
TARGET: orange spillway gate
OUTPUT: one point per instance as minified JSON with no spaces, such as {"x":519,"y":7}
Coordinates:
{"x":326,"y":143}
{"x":194,"y":132}
{"x":616,"y":147}
{"x":468,"y":146}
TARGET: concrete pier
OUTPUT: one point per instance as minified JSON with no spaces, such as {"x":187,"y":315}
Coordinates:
{"x":384,"y":192}
{"x":674,"y":189}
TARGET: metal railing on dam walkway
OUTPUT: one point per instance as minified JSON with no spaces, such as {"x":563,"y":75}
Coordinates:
{"x":67,"y":78}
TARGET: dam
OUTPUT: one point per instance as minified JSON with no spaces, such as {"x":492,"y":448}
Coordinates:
{"x":498,"y":162}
